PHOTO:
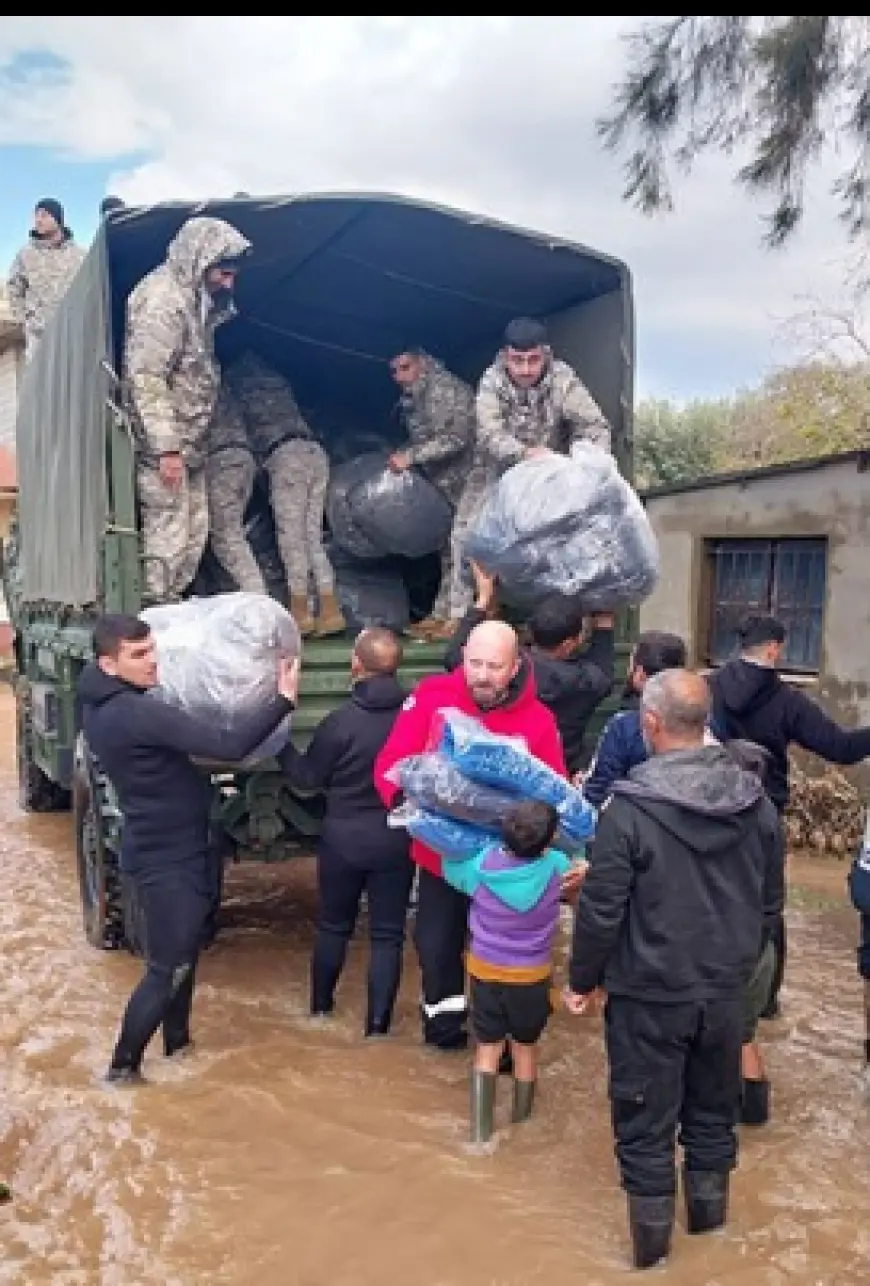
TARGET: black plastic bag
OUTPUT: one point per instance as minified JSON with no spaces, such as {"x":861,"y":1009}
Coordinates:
{"x":374,"y":511}
{"x":567,"y":525}
{"x":370,"y":593}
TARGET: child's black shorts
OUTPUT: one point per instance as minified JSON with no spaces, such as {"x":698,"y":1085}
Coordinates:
{"x":518,"y":1010}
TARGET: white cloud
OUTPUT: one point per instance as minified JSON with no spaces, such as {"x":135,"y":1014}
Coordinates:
{"x":495,"y":114}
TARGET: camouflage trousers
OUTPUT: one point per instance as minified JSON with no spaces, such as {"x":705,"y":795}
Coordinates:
{"x":298,"y":473}
{"x":230,"y":476}
{"x":454,"y":600}
{"x":174,"y":531}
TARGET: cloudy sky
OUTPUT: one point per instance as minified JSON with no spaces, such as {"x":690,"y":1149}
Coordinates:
{"x":493,"y":114}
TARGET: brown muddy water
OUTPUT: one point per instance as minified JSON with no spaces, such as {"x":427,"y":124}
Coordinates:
{"x":284,"y":1154}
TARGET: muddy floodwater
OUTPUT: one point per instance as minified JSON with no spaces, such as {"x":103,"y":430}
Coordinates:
{"x":288,"y":1154}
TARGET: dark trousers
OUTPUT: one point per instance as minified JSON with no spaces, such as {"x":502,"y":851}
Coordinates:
{"x":780,"y":946}
{"x":340,"y":885}
{"x":440,"y":934}
{"x":175,"y":908}
{"x":674,"y":1074}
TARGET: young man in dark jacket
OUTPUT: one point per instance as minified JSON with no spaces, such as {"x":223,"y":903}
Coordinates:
{"x":145,"y":747}
{"x":621,"y":746}
{"x":670,"y":922}
{"x":751,"y":701}
{"x":571,"y":679}
{"x":357,"y":852}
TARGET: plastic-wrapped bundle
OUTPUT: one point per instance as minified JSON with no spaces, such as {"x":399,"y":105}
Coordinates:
{"x":507,"y":765}
{"x":445,"y":835}
{"x":218,"y":657}
{"x":374,"y":511}
{"x":567,"y":525}
{"x":433,"y":782}
{"x":372,"y":595}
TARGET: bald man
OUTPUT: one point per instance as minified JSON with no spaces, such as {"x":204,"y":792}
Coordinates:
{"x":357,"y":852}
{"x":496,"y":686}
{"x":670,"y":923}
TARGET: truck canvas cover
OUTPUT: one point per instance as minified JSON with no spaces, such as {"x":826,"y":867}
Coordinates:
{"x":337,"y":284}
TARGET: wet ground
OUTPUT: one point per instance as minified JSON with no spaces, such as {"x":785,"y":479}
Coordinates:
{"x":284,"y":1154}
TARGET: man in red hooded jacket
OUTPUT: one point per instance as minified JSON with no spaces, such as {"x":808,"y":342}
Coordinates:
{"x":495,"y":685}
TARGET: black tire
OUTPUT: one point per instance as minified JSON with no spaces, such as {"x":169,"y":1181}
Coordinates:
{"x":37,"y":793}
{"x":99,"y":877}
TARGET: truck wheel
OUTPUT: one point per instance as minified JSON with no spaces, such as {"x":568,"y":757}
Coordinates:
{"x":99,"y":878}
{"x":36,"y":792}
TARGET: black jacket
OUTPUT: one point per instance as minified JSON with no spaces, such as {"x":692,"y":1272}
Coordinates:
{"x":686,"y":873}
{"x":752,"y":701}
{"x":340,"y":760}
{"x":144,"y":747}
{"x":572,"y":689}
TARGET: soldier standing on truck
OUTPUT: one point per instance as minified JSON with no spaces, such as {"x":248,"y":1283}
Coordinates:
{"x":297,"y":468}
{"x":41,"y":272}
{"x":145,"y":747}
{"x":171,"y":383}
{"x":529,"y":403}
{"x":437,"y":409}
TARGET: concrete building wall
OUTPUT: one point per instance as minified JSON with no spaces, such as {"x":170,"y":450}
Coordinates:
{"x":11,"y":364}
{"x":827,"y":500}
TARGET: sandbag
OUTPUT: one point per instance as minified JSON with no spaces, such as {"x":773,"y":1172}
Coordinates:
{"x":374,"y":511}
{"x":218,"y":658}
{"x":567,"y":525}
{"x":506,"y":764}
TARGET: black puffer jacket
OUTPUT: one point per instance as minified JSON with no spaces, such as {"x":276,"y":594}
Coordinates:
{"x":686,"y":872}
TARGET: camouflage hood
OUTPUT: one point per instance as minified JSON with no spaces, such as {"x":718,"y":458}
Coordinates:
{"x":201,"y":243}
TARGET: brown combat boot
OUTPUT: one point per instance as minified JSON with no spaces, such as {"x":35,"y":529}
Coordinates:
{"x":330,"y":620}
{"x":301,"y":615}
{"x":422,"y":629}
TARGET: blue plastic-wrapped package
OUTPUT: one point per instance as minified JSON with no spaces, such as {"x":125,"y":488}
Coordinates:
{"x":506,"y":764}
{"x":433,"y":782}
{"x":447,"y":836}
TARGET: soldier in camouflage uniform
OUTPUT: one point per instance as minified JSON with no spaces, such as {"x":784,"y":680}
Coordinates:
{"x":42,"y":271}
{"x":230,"y":474}
{"x":528,"y":404}
{"x":298,"y":471}
{"x":171,"y":382}
{"x":437,"y":410}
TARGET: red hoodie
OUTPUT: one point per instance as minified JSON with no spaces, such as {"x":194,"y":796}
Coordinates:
{"x":522,"y":716}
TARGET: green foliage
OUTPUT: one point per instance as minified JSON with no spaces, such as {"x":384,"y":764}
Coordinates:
{"x":784,"y":86}
{"x":798,"y":413}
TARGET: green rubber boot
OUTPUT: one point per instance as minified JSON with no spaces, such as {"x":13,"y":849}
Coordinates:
{"x":524,"y":1100}
{"x":482,"y":1106}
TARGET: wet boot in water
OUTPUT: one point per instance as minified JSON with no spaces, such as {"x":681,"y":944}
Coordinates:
{"x":651,"y":1221}
{"x":755,"y":1104}
{"x":706,"y":1200}
{"x":330,"y":620}
{"x":524,"y":1100}
{"x":482,"y":1106}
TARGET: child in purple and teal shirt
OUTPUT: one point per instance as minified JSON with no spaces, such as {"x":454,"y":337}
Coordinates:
{"x":514,"y":889}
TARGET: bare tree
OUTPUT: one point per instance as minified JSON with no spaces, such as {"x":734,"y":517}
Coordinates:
{"x":784,"y":85}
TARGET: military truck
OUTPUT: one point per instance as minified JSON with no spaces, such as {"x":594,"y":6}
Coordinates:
{"x":337,"y":284}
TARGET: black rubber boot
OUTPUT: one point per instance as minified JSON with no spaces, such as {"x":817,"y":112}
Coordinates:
{"x":127,"y":1077}
{"x":378,"y":1025}
{"x":706,"y":1200}
{"x":524,"y":1100}
{"x":651,"y":1220}
{"x":755,"y":1104}
{"x":482,"y":1106}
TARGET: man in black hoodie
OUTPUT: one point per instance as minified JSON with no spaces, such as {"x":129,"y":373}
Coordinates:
{"x":670,"y":922}
{"x":358,"y":852}
{"x":571,"y":679}
{"x":145,"y":747}
{"x":751,"y":701}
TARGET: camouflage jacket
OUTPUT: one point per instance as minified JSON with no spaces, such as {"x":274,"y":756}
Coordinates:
{"x":556,"y":413}
{"x":271,"y":413}
{"x":171,"y":375}
{"x":227,"y":427}
{"x":38,"y":279}
{"x":438,"y":415}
